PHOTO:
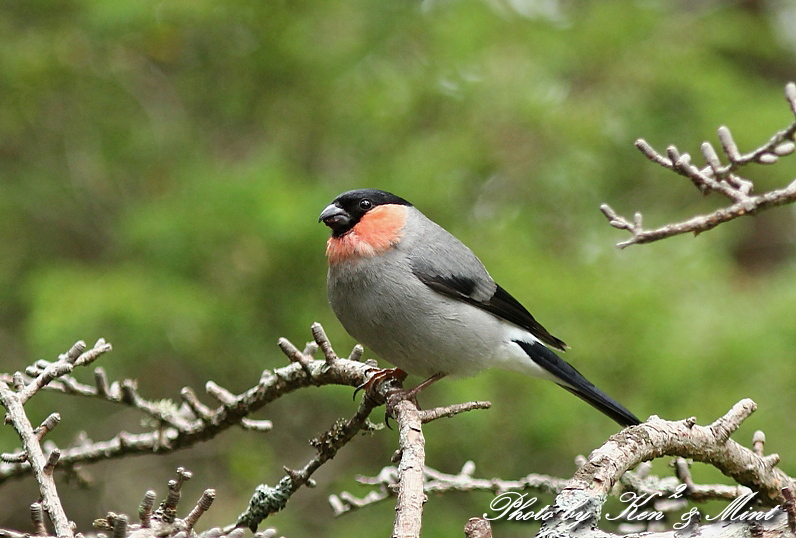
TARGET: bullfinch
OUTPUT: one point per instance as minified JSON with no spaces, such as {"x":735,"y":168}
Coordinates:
{"x":420,"y":299}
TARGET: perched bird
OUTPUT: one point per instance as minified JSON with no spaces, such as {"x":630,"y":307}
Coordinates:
{"x":420,"y":299}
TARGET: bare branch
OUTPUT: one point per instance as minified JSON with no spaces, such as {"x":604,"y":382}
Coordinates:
{"x":708,"y":444}
{"x":409,"y":509}
{"x":45,"y":372}
{"x":478,"y":527}
{"x":37,"y":517}
{"x":295,"y":355}
{"x":606,"y":467}
{"x":323,"y":342}
{"x":41,"y":465}
{"x":759,"y":442}
{"x":451,"y":410}
{"x":356,"y":353}
{"x":182,"y":427}
{"x":440,"y":483}
{"x":657,"y":438}
{"x":268,"y":500}
{"x":410,"y":482}
{"x":715,"y":177}
{"x":47,"y":426}
{"x":701,"y":223}
{"x":145,"y":509}
{"x":207,"y":498}
{"x":163,"y":522}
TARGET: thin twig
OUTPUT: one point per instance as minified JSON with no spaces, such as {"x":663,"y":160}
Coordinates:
{"x":451,"y":410}
{"x":441,"y":483}
{"x":715,"y":177}
{"x":268,"y":500}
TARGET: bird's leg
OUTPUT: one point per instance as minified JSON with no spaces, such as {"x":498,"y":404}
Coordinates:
{"x":396,"y":395}
{"x":411,"y":394}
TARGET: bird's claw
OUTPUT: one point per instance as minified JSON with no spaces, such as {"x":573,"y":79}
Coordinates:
{"x":380,"y":376}
{"x":395,"y":394}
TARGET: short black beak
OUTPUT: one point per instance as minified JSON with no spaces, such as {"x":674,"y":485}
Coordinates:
{"x":334,"y":217}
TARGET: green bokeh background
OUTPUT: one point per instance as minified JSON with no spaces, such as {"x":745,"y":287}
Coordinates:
{"x":162,"y":166}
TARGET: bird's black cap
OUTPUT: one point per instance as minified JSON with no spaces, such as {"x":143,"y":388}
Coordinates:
{"x":346,"y":210}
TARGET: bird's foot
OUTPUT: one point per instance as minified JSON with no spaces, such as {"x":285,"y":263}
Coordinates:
{"x":382,"y":375}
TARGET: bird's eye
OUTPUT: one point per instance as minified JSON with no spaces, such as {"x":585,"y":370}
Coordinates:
{"x":365,"y":204}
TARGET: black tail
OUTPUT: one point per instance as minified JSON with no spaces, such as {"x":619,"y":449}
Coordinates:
{"x":574,"y":382}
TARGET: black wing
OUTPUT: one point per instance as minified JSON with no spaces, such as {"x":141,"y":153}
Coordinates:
{"x":499,"y":303}
{"x":457,"y":272}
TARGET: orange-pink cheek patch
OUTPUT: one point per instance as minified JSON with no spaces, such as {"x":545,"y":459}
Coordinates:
{"x":378,"y":230}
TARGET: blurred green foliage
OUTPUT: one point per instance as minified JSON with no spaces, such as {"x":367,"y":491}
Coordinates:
{"x":164,"y":163}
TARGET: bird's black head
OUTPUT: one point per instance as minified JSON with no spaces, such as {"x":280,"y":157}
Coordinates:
{"x":346,"y":210}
